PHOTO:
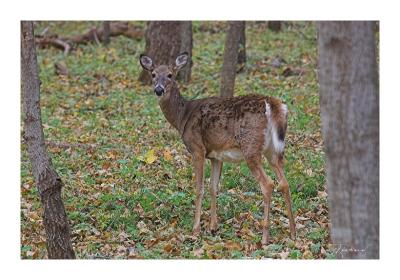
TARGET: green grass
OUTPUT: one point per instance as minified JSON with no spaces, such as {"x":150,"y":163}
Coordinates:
{"x":121,"y":206}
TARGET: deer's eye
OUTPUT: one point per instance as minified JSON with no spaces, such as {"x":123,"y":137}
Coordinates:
{"x":153,"y":75}
{"x":169,"y":76}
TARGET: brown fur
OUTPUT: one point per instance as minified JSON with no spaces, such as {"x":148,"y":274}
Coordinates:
{"x":216,"y":124}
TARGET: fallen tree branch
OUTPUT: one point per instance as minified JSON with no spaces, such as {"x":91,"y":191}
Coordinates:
{"x":93,"y":35}
{"x":55,"y":42}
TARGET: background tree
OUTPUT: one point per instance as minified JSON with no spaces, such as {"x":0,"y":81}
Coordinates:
{"x":350,"y":120}
{"x":275,"y":25}
{"x":164,"y":41}
{"x":241,"y":60}
{"x":48,"y":182}
{"x":231,"y":49}
{"x":186,"y":46}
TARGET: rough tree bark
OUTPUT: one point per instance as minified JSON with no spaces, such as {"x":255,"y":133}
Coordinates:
{"x":186,"y":46}
{"x":165,"y":40}
{"x":275,"y":25}
{"x":106,"y":32}
{"x":231,"y":49}
{"x":349,"y":100}
{"x":242,"y":47}
{"x":48,"y":182}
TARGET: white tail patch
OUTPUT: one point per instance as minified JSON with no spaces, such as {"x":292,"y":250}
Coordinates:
{"x":284,"y":109}
{"x":267,"y":110}
{"x":271,"y":139}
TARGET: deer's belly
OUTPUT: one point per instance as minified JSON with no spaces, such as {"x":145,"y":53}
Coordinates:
{"x":233,"y":155}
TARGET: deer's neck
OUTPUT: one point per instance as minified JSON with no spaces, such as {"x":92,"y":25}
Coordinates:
{"x":174,"y":108}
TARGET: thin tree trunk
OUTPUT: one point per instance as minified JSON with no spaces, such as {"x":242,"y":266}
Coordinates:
{"x":242,"y":46}
{"x":186,"y":46}
{"x":231,"y":50}
{"x":106,"y":33}
{"x":275,"y":25}
{"x":48,"y":182}
{"x":164,"y":42}
{"x":349,"y":102}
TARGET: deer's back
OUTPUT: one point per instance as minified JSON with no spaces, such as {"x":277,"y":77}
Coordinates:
{"x":229,"y":128}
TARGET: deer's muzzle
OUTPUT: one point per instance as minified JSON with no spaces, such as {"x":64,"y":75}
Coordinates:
{"x":159,"y":90}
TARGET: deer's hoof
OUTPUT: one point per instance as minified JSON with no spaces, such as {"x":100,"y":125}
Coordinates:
{"x":214,"y":227}
{"x":196,"y":231}
{"x":214,"y":230}
{"x":265,"y":239}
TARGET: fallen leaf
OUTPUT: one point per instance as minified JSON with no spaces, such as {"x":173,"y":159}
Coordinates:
{"x":300,"y":218}
{"x":167,"y":155}
{"x":322,"y":194}
{"x":132,"y":253}
{"x":32,"y":254}
{"x":106,"y":165}
{"x":151,"y":242}
{"x":123,"y":236}
{"x":33,"y":216}
{"x":96,"y":232}
{"x":300,"y":226}
{"x":284,"y":255}
{"x":198,"y":252}
{"x":230,"y":245}
{"x":139,"y":209}
{"x":307,"y":254}
{"x":168,"y":248}
{"x":121,"y":250}
{"x":149,"y":157}
{"x":142,"y":227}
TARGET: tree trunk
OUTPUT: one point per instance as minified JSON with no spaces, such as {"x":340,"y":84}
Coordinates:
{"x":242,"y":47}
{"x":164,"y":42}
{"x":275,"y":25}
{"x":186,"y":46}
{"x":48,"y":182}
{"x":231,"y":50}
{"x":106,"y":33}
{"x":349,"y":100}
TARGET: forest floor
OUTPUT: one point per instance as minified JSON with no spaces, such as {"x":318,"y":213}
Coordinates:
{"x":128,"y":181}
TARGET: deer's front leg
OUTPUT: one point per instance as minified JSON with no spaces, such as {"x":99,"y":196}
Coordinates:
{"x":216,"y":167}
{"x":198,"y":164}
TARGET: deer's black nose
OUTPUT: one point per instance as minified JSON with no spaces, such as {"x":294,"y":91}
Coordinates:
{"x":159,"y":90}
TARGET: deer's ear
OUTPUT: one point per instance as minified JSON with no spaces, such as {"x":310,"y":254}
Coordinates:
{"x":146,"y":62}
{"x":181,"y":61}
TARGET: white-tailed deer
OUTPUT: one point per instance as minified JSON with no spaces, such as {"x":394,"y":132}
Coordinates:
{"x":232,"y":129}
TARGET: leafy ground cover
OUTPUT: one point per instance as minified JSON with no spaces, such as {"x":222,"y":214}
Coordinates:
{"x":129,"y":185}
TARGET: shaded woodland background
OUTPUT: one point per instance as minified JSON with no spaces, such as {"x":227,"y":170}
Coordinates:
{"x":127,"y":180}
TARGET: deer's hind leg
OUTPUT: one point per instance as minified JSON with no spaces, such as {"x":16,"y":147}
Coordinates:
{"x":266,"y":184}
{"x":276,"y":163}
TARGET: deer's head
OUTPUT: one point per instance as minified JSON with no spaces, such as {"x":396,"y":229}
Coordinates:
{"x":163,"y":75}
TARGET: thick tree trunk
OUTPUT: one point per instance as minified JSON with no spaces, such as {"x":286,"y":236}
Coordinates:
{"x":231,"y":50}
{"x":349,"y":102}
{"x":47,"y":180}
{"x":186,"y":46}
{"x":106,"y":32}
{"x":164,"y":42}
{"x":242,"y":47}
{"x":275,"y":25}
